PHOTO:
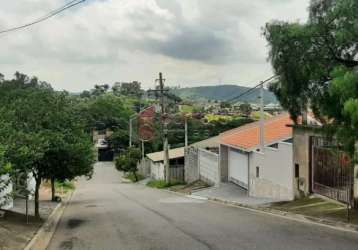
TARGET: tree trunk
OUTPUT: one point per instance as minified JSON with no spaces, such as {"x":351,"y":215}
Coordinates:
{"x":53,"y":190}
{"x":37,"y":189}
{"x":135,"y":176}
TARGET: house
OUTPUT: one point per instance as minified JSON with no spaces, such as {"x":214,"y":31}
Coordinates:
{"x":264,"y":172}
{"x":176,"y":163}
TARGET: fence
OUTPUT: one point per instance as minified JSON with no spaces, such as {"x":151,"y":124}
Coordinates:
{"x":331,"y":170}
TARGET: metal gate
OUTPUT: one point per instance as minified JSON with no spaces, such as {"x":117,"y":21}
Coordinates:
{"x":331,"y":170}
{"x":177,"y":173}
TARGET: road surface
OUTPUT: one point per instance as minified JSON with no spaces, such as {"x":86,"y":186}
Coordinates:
{"x":107,"y":214}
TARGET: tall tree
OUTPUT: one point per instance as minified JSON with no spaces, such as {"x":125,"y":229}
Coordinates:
{"x":38,"y":126}
{"x":314,"y":61}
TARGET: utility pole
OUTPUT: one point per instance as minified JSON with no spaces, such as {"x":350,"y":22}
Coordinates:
{"x":165,"y":129}
{"x":143,"y":150}
{"x":186,"y":131}
{"x":164,"y":125}
{"x":131,"y":129}
{"x":262,"y":118}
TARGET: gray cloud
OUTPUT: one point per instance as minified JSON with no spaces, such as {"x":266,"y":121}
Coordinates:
{"x":107,"y":41}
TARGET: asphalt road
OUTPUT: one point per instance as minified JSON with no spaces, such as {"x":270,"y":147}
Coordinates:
{"x":107,"y":214}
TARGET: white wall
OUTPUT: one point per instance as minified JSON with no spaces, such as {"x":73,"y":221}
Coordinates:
{"x":157,"y":170}
{"x":209,"y":167}
{"x":5,"y":192}
{"x":276,"y":173}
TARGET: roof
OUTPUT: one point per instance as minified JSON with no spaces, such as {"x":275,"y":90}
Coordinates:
{"x":247,"y":137}
{"x":173,"y":154}
{"x":212,"y":142}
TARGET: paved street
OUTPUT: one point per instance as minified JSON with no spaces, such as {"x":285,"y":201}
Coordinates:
{"x":106,"y":214}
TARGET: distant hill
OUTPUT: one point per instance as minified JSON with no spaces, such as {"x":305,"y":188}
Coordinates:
{"x":223,"y":93}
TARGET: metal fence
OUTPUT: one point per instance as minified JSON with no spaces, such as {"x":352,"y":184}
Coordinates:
{"x":332,"y":174}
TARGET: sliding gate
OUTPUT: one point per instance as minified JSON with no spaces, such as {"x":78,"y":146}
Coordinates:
{"x":331,"y":170}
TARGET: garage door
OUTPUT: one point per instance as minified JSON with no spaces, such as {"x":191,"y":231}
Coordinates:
{"x":238,"y":168}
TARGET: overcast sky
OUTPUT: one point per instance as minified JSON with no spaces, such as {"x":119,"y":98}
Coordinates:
{"x":193,"y":42}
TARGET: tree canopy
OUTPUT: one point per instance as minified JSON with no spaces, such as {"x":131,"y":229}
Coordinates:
{"x":316,"y":63}
{"x":42,"y":132}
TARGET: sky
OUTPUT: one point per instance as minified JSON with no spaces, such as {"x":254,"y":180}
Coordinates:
{"x":193,"y":42}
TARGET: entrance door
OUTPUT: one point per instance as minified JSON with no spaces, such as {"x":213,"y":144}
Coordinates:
{"x":238,"y":168}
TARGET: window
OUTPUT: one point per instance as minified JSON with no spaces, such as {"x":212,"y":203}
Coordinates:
{"x":257,"y":172}
{"x":275,"y":145}
{"x":297,"y":170}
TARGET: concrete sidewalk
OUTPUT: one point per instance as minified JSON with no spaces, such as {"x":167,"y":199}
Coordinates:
{"x":232,"y":193}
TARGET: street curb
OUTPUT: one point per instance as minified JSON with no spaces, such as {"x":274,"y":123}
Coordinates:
{"x":44,"y":235}
{"x":282,"y":214}
{"x":292,"y":216}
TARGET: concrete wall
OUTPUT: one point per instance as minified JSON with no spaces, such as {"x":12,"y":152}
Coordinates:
{"x":157,"y":170}
{"x":144,"y":167}
{"x":191,"y":165}
{"x":209,"y":167}
{"x":276,"y":173}
{"x":6,"y":192}
{"x":301,"y":156}
{"x":223,"y":164}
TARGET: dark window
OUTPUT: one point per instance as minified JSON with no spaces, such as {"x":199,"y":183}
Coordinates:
{"x":297,"y":171}
{"x":257,"y":172}
{"x":274,"y":145}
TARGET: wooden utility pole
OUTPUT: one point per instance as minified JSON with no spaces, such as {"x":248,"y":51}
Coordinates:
{"x":164,"y":125}
{"x":165,"y":128}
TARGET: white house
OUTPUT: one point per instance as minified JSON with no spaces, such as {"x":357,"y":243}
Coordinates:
{"x":267,"y":173}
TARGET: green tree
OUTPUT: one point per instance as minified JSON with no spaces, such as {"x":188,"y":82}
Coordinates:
{"x":105,"y":111}
{"x":37,"y":129}
{"x":127,"y":162}
{"x":313,"y":62}
{"x":245,"y":108}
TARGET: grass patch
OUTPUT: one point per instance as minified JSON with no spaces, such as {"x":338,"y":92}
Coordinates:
{"x":319,"y":208}
{"x":130,"y":176}
{"x":162,"y":184}
{"x":64,"y":186}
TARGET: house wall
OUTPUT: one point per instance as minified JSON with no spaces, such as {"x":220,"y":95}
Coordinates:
{"x":276,"y":173}
{"x":223,"y":164}
{"x":5,"y":192}
{"x":209,"y":167}
{"x":157,"y":170}
{"x":191,"y":165}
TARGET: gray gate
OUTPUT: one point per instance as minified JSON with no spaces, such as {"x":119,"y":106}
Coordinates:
{"x":331,"y":170}
{"x":177,"y":173}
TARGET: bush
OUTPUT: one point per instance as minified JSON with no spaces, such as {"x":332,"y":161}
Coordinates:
{"x":65,"y":185}
{"x":130,"y":176}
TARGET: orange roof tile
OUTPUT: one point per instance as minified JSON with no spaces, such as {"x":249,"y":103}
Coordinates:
{"x":248,"y":136}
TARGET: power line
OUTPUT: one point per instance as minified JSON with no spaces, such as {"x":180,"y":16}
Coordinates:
{"x":252,"y":89}
{"x":44,"y":18}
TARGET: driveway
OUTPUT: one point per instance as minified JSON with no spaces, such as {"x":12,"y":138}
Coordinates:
{"x":232,"y":193}
{"x":107,"y":214}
